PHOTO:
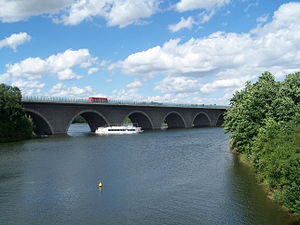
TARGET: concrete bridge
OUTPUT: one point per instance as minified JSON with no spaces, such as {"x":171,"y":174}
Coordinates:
{"x":56,"y":117}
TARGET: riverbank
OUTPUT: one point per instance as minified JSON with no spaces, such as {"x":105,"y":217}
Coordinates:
{"x":270,"y":193}
{"x":13,"y":139}
{"x":264,"y":122}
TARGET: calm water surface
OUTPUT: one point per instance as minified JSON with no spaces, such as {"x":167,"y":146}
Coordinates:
{"x":164,"y":177}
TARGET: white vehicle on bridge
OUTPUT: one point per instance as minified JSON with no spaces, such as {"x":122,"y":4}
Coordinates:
{"x":125,"y":129}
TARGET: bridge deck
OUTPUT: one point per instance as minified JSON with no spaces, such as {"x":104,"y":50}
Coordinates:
{"x":84,"y":101}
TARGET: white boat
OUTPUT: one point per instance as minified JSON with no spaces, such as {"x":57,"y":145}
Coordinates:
{"x":125,"y":129}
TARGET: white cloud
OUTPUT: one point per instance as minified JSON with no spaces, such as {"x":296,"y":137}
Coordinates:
{"x":183,"y":23}
{"x":127,"y":12}
{"x":29,"y":87}
{"x":132,"y":94}
{"x":262,"y":19}
{"x":274,"y":47}
{"x":67,"y":74}
{"x":185,"y":5}
{"x":14,"y":40}
{"x":4,"y":78}
{"x":116,"y":12}
{"x":61,"y":90}
{"x":93,"y":70}
{"x":28,"y":84}
{"x":135,"y":84}
{"x":18,"y":10}
{"x":208,"y":8}
{"x":196,"y":57}
{"x":223,"y":83}
{"x":59,"y":65}
{"x":178,"y":85}
{"x":205,"y":16}
{"x":72,"y":12}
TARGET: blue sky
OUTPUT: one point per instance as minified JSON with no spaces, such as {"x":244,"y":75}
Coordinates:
{"x":185,"y":51}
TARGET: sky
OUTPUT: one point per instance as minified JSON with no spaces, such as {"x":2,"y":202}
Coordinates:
{"x":177,"y":51}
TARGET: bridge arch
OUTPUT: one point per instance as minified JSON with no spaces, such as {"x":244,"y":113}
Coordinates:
{"x":92,"y":117}
{"x":141,"y":119}
{"x":220,"y":120}
{"x":174,"y":120}
{"x":201,"y":119}
{"x":41,"y":124}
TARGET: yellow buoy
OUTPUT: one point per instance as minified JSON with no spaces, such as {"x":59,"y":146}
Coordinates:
{"x":100,"y":185}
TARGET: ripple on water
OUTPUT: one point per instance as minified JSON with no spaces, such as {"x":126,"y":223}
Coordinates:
{"x":184,"y":176}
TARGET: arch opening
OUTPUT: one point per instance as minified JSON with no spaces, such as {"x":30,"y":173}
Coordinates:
{"x":139,"y":119}
{"x":41,"y":125}
{"x":201,"y":120}
{"x":173,"y":120}
{"x":220,"y":120}
{"x":86,"y":121}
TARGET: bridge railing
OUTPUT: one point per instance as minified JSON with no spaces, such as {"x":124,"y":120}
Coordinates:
{"x":112,"y":101}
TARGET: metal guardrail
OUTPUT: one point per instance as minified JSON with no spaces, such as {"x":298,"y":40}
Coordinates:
{"x":112,"y":101}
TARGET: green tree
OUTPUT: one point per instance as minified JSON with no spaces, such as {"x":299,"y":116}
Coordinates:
{"x":276,"y":159}
{"x":287,"y":103}
{"x":264,"y":122}
{"x":249,"y":108}
{"x":14,"y":124}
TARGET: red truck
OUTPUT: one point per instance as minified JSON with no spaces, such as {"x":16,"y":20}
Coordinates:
{"x":96,"y":99}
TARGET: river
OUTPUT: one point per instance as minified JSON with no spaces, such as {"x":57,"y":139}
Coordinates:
{"x":184,"y":176}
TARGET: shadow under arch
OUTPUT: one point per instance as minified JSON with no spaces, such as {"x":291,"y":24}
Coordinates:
{"x":174,"y":120}
{"x":220,"y":120}
{"x":41,"y":124}
{"x":141,"y":119}
{"x":92,"y":117}
{"x":201,"y":119}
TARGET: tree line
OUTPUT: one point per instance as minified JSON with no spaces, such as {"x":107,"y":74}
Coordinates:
{"x":15,"y":125}
{"x":264,"y":125}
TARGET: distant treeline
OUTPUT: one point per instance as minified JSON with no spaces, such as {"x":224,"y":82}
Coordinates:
{"x":264,"y":122}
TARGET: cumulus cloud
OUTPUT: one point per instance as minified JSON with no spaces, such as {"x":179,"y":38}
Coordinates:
{"x":72,"y":12}
{"x":60,"y":65}
{"x":28,"y":84}
{"x":135,"y":84}
{"x":196,"y":57}
{"x":93,"y":70}
{"x":18,"y":10}
{"x":4,"y":78}
{"x":183,"y":23}
{"x":274,"y":46}
{"x":67,"y":74}
{"x":185,"y":5}
{"x":28,"y":87}
{"x":223,"y":83}
{"x":61,"y":90}
{"x":262,"y":19}
{"x":178,"y":85}
{"x":14,"y":40}
{"x":116,"y":12}
{"x":133,"y":95}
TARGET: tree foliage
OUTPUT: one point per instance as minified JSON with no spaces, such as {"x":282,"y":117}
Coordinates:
{"x":264,"y":122}
{"x":14,"y":124}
